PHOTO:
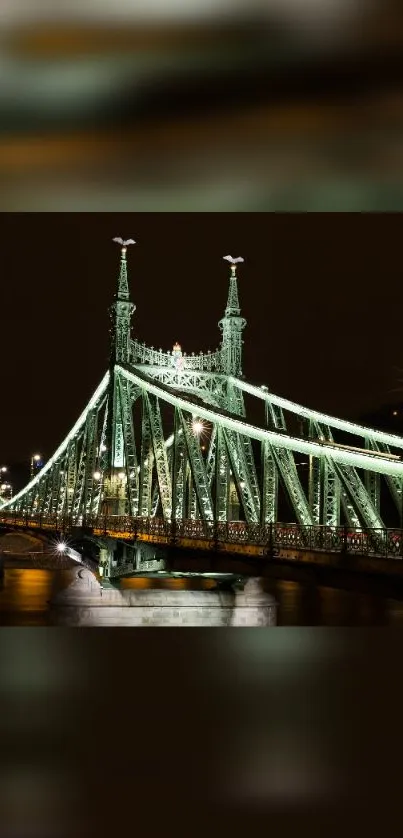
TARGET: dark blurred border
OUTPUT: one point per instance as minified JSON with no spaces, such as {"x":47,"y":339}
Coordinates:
{"x":204,"y":730}
{"x":270,"y":108}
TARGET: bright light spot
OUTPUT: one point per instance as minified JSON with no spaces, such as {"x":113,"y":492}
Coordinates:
{"x":197,"y":426}
{"x":103,"y":447}
{"x":61,"y":547}
{"x":3,"y":468}
{"x":97,"y":475}
{"x":37,"y":457}
{"x":242,"y":484}
{"x":395,"y":413}
{"x":121,"y":475}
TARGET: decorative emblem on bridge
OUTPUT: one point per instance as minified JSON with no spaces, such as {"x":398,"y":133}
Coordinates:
{"x":124,"y":243}
{"x":234,"y":262}
{"x":177,"y":356}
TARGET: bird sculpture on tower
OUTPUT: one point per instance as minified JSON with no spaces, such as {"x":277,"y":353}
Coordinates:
{"x":232,"y":260}
{"x":124,"y":242}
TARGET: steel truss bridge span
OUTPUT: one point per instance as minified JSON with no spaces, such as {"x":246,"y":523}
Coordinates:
{"x":315,"y":416}
{"x":175,"y":441}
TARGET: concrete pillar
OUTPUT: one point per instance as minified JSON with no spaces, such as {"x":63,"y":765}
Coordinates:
{"x":105,"y":560}
{"x":253,"y":606}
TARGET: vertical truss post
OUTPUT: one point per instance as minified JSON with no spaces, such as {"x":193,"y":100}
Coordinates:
{"x":315,"y":474}
{"x":198,"y":470}
{"x":71,"y":467}
{"x":222,"y":478}
{"x":242,"y":476}
{"x":80,"y":478}
{"x":191,"y":495}
{"x":269,"y":486}
{"x":175,"y":469}
{"x":146,"y":462}
{"x":160,"y":455}
{"x":130,"y":455}
{"x":101,"y":464}
{"x":179,"y":470}
{"x":373,"y":483}
{"x":331,"y":496}
{"x":211,"y":455}
{"x":91,"y":458}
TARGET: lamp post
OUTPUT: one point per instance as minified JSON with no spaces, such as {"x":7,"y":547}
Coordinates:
{"x":5,"y":487}
{"x":6,"y":491}
{"x":36,"y":464}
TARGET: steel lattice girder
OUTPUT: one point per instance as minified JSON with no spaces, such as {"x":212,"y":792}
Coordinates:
{"x":160,"y":454}
{"x":126,"y":410}
{"x":146,"y":462}
{"x":73,"y":465}
{"x":269,"y":485}
{"x":288,"y":470}
{"x":198,"y":470}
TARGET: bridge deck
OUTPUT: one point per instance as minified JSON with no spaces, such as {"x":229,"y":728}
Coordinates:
{"x":235,"y":537}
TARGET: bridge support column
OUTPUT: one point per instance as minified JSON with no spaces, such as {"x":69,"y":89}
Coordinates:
{"x":106,"y":555}
{"x":253,"y":606}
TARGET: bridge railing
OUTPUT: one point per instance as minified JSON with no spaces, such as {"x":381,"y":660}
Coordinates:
{"x":275,"y":537}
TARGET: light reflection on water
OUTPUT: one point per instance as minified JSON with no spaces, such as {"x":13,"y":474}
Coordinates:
{"x":25,"y":594}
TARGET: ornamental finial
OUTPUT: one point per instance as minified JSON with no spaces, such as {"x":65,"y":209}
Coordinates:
{"x":234,"y":262}
{"x":124,"y":243}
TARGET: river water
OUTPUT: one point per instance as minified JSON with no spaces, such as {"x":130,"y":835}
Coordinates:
{"x":303,"y":598}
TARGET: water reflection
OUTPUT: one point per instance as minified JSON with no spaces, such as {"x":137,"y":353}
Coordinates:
{"x":309,"y":604}
{"x":25,"y":594}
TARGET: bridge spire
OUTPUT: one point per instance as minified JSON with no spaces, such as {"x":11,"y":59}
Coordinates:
{"x":122,"y":310}
{"x":232,"y":325}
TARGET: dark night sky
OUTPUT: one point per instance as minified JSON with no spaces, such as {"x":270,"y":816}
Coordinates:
{"x":322,"y":294}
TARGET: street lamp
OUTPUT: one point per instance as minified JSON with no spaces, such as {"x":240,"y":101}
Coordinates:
{"x":36,"y":463}
{"x":6,"y":491}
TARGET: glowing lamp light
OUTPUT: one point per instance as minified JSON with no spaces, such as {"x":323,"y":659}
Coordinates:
{"x":37,"y":457}
{"x":121,"y":475}
{"x":197,"y":426}
{"x":61,"y":547}
{"x":97,"y":475}
{"x":3,"y":469}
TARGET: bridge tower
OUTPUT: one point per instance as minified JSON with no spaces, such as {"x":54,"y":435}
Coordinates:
{"x":113,"y":444}
{"x":121,"y":312}
{"x":232,"y":326}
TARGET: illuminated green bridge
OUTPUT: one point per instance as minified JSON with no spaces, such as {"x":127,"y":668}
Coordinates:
{"x":166,"y":454}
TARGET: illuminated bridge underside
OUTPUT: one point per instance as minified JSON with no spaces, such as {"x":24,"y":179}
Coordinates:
{"x":186,"y":441}
{"x":164,"y":470}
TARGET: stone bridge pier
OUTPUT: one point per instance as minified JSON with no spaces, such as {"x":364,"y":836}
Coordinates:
{"x":87,"y":602}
